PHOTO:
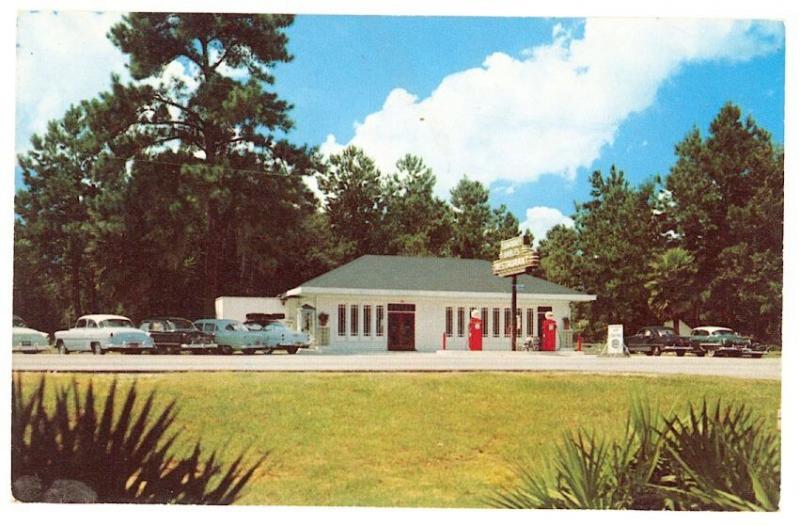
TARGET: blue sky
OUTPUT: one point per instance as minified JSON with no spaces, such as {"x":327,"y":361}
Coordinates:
{"x":529,"y":106}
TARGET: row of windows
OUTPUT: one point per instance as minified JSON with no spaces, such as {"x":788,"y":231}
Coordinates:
{"x":533,"y":318}
{"x":366,"y":320}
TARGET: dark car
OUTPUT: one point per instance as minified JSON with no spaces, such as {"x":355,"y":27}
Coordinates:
{"x":655,"y":340}
{"x":174,"y":334}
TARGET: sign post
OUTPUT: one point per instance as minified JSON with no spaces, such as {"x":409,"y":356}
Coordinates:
{"x":516,"y":257}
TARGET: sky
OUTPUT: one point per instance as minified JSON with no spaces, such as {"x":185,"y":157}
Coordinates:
{"x":528,"y":106}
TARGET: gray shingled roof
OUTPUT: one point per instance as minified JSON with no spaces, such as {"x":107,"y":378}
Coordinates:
{"x":389,"y":272}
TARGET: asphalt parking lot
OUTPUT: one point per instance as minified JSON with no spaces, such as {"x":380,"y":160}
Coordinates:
{"x":453,"y":361}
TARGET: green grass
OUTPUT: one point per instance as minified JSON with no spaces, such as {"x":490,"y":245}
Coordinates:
{"x":416,"y":440}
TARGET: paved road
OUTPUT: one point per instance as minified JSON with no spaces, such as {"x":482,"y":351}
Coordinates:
{"x":406,"y":362}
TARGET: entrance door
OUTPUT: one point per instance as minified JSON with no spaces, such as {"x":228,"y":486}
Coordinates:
{"x":400,"y":327}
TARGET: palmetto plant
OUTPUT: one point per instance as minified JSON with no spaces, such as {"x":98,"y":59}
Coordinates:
{"x":122,"y":453}
{"x":715,"y":458}
{"x":726,"y":459}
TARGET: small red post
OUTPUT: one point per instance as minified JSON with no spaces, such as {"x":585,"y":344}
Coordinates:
{"x":444,"y":340}
{"x":580,"y":343}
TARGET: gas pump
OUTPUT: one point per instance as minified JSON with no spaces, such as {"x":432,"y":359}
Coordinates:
{"x":475,"y":331}
{"x":549,"y":331}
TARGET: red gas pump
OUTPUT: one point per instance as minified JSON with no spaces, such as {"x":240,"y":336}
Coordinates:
{"x":549,"y":330}
{"x":475,"y":332}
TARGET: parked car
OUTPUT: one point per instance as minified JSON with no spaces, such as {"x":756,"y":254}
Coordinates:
{"x":279,"y":336}
{"x":174,"y":334}
{"x":655,"y":340}
{"x":719,"y":341}
{"x":26,"y":340}
{"x":100,"y":333}
{"x":231,"y":336}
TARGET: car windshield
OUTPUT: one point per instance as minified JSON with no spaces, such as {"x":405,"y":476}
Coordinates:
{"x":725,"y":331}
{"x":18,"y":322}
{"x":116,"y":323}
{"x":181,"y":324}
{"x":238,"y":327}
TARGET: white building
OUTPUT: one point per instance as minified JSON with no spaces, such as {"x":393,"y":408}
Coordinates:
{"x":386,"y":303}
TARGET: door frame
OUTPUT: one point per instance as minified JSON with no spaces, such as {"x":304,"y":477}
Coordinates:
{"x":393,"y":311}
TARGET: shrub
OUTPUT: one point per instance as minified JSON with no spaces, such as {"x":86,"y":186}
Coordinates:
{"x":715,"y":458}
{"x":123,"y":459}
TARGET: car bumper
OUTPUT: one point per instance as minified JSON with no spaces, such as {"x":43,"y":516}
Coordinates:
{"x":294,"y":345}
{"x":741,"y":350}
{"x":679,"y":348}
{"x":198,"y":346}
{"x":33,"y":347}
{"x":129,"y":346}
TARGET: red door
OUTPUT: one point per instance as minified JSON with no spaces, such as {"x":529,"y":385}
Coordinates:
{"x":400,"y":327}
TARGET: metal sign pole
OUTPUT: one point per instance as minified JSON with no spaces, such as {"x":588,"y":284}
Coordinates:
{"x":513,"y":313}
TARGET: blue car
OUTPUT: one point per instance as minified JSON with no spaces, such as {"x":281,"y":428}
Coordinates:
{"x":232,"y":336}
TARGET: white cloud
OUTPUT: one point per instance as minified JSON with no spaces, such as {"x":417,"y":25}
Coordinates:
{"x":554,"y":108}
{"x":540,"y":219}
{"x":62,"y":58}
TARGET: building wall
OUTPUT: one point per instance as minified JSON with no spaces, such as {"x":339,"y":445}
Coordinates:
{"x":238,"y":307}
{"x":429,"y":321}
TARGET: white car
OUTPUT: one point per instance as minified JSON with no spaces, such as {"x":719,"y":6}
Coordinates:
{"x":102,"y":333}
{"x":26,"y":340}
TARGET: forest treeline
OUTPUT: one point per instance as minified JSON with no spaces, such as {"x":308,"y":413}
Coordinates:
{"x":155,"y":197}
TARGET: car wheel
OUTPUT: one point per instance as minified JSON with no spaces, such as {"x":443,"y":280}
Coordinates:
{"x":249,"y":351}
{"x":680,"y":353}
{"x":292,"y":350}
{"x":656,"y":350}
{"x":225,"y":350}
{"x":61,"y":347}
{"x":97,"y":349}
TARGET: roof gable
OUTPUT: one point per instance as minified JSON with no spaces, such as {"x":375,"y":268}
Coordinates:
{"x":437,"y":274}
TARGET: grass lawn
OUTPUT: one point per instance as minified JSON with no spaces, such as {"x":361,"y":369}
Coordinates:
{"x":412,"y":440}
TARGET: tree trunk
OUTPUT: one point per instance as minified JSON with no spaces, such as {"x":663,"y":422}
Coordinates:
{"x":212,"y":255}
{"x":75,"y":263}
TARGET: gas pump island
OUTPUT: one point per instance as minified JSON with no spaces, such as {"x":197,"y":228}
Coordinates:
{"x":516,"y":257}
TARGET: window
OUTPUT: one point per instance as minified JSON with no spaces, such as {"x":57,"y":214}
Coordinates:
{"x":81,"y":323}
{"x":507,"y":322}
{"x":448,"y":321}
{"x":495,"y":322}
{"x":531,"y":319}
{"x":354,"y":319}
{"x":379,"y":320}
{"x":460,"y":321}
{"x":367,"y":320}
{"x":485,"y":321}
{"x":342,"y":320}
{"x":401,"y":307}
{"x":91,"y":324}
